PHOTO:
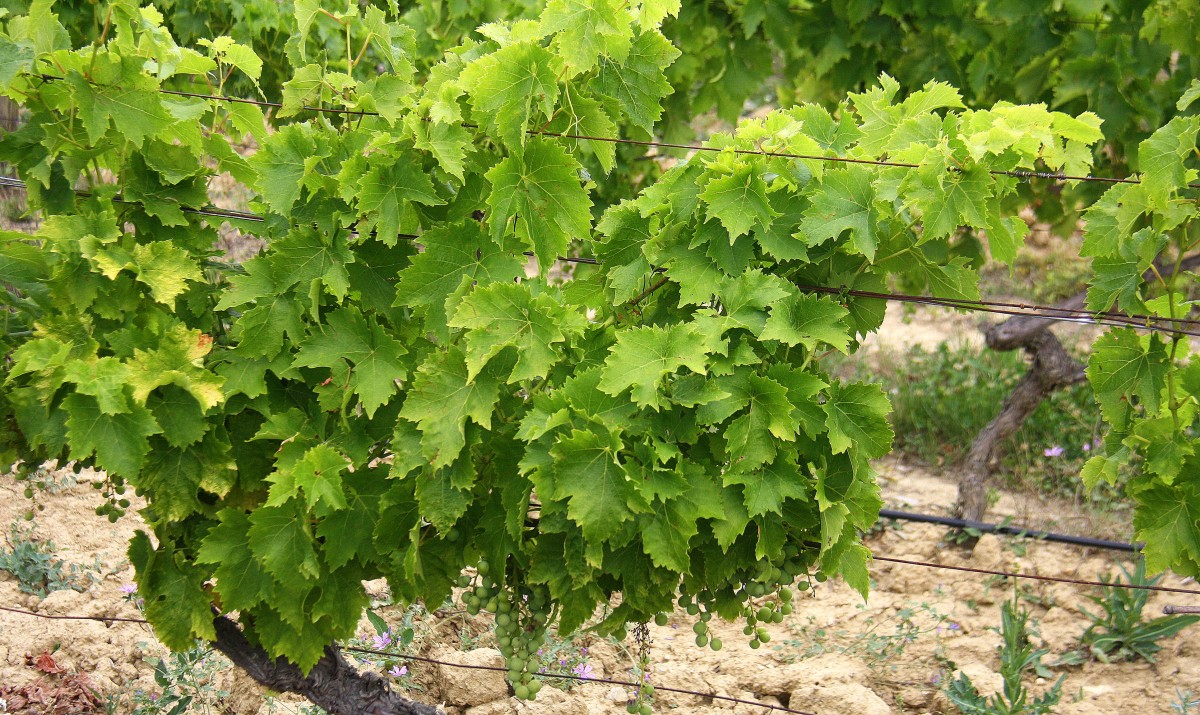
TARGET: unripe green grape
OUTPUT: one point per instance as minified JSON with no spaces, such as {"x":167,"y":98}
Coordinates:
{"x":112,"y":517}
{"x":483,"y":567}
{"x":764,"y":614}
{"x":755,"y":644}
{"x":763,"y":635}
{"x":621,"y":633}
{"x":748,"y":630}
{"x":504,"y":607}
{"x":463,"y":580}
{"x":692,"y":609}
{"x":522,"y":692}
{"x":124,"y":503}
{"x":785,"y":609}
{"x":701,"y":640}
{"x":706,"y":616}
{"x":785,"y":595}
{"x":491,"y":604}
{"x":633,"y":708}
{"x":514,"y":675}
{"x":28,"y":492}
{"x":821,"y":578}
{"x":699,"y":628}
{"x":452,"y":535}
{"x":648,"y":690}
{"x":804,"y":585}
{"x":29,"y":515}
{"x":777,"y":617}
{"x":503,"y":619}
{"x":534,"y":687}
{"x":715,"y":644}
{"x":661,"y":619}
{"x":645,"y":709}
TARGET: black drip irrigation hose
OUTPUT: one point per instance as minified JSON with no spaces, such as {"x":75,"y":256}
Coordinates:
{"x":1013,"y":530}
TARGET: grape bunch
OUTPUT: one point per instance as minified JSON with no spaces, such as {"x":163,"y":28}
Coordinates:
{"x":521,"y":617}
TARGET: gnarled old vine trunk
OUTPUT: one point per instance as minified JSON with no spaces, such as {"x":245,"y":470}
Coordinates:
{"x":1052,"y":368}
{"x":332,"y":684}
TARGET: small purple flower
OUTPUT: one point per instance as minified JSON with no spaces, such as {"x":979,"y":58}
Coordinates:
{"x":398,"y":671}
{"x":1055,"y":451}
{"x":129,"y":588}
{"x":1087,"y":446}
{"x":583,"y":670}
{"x":541,"y":652}
{"x":382,"y":641}
{"x":583,"y":650}
{"x":955,"y":627}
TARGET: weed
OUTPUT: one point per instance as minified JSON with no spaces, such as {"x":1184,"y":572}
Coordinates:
{"x":1017,"y":656}
{"x":564,"y":656}
{"x":185,"y":685}
{"x":1119,"y":631}
{"x":881,"y":645}
{"x":37,"y":570}
{"x":1184,"y":701}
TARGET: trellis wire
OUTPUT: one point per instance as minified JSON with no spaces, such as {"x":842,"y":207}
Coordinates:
{"x":1041,"y":312}
{"x":1017,"y":173}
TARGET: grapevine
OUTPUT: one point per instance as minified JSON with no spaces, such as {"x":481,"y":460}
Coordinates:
{"x":655,"y":431}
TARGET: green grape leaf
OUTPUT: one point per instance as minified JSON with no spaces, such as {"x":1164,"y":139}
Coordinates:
{"x":638,"y":82}
{"x":15,"y":58}
{"x":281,"y":541}
{"x":120,"y":442}
{"x":389,"y":185}
{"x":103,"y":378}
{"x":319,"y":474}
{"x":441,"y":400}
{"x":305,"y":254}
{"x":172,"y":592}
{"x":178,"y":360}
{"x":1161,"y":157}
{"x":377,"y":357}
{"x":280,"y":164}
{"x":453,"y":254}
{"x":119,"y":95}
{"x":739,"y":200}
{"x":802,"y":319}
{"x":442,"y":502}
{"x":856,"y":416}
{"x":752,"y":438}
{"x":1167,"y":519}
{"x":845,"y":201}
{"x":1124,"y":364}
{"x":766,"y":488}
{"x":642,"y":356}
{"x":1190,"y":95}
{"x":669,"y":528}
{"x":587,"y":29}
{"x":508,"y":86}
{"x":599,"y":493}
{"x":508,"y":315}
{"x":241,"y":581}
{"x":539,"y":198}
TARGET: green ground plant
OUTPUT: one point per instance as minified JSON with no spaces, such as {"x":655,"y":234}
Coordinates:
{"x":936,"y":400}
{"x":1120,"y":631}
{"x":37,"y":569}
{"x":880,"y":642}
{"x":1018,"y":658}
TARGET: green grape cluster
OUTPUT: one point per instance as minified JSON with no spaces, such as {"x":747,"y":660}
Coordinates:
{"x":115,"y":503}
{"x":521,"y":617}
